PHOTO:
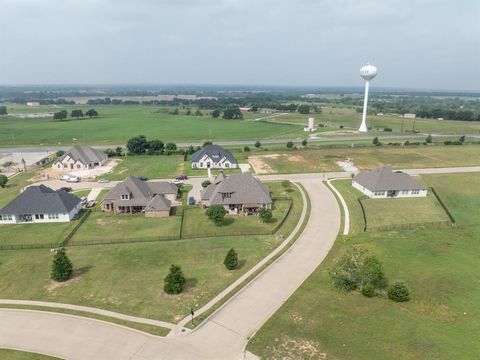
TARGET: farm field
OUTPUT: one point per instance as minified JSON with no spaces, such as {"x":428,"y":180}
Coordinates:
{"x":323,"y":159}
{"x":116,"y":124}
{"x":439,"y":322}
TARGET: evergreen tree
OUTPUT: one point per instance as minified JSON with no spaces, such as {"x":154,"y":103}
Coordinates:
{"x":62,"y":267}
{"x":174,"y":281}
{"x":231,"y":260}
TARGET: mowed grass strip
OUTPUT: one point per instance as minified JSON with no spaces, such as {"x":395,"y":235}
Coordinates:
{"x":6,"y":354}
{"x":439,"y":322}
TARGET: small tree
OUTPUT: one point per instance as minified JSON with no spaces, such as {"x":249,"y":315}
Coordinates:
{"x":258,"y":144}
{"x":344,"y":273}
{"x":289,"y":144}
{"x":3,"y":110}
{"x":375,"y":141}
{"x":91,"y":113}
{"x":198,"y":113}
{"x":174,"y":281}
{"x":205,"y":184}
{"x":462,"y":139}
{"x":77,"y":113}
{"x":62,"y":267}
{"x":398,"y":292}
{"x":429,"y":139}
{"x":216,"y":113}
{"x":216,"y":213}
{"x":368,"y":290}
{"x":265,"y":215}
{"x":246,"y":148}
{"x":371,"y":273}
{"x":304,"y":142}
{"x":3,"y":181}
{"x":231,"y":260}
{"x":59,"y":153}
{"x":118,"y":151}
{"x":206,"y":143}
{"x":171,"y":146}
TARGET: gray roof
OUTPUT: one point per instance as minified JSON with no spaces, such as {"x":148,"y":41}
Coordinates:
{"x":215,"y":152}
{"x":84,"y":154}
{"x":141,"y":191}
{"x":159,"y":203}
{"x":237,"y":189}
{"x":384,"y":179}
{"x":41,"y":200}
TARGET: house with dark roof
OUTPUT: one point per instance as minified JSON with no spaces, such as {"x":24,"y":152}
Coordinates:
{"x":40,"y":204}
{"x":80,"y":158}
{"x":213,"y":157}
{"x":385,"y":183}
{"x":237,"y":193}
{"x":152,"y":198}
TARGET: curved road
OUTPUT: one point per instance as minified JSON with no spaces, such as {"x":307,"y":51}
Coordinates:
{"x":223,"y":336}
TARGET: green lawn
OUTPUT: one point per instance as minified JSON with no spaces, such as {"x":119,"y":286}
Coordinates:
{"x":317,"y":160}
{"x":14,"y":187}
{"x":116,"y":124}
{"x":153,"y":167}
{"x":350,"y":195}
{"x":441,"y":321}
{"x":6,"y":354}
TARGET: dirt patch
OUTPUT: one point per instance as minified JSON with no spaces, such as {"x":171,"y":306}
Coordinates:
{"x":259,"y":165}
{"x":53,"y":285}
{"x":103,"y":222}
{"x":289,"y":349}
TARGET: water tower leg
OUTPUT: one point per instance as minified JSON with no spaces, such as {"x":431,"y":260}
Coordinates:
{"x":363,"y":127}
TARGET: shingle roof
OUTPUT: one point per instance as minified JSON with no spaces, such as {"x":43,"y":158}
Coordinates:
{"x":159,"y":203}
{"x":215,"y":152}
{"x":241,"y":188}
{"x":141,"y":191}
{"x":41,"y":200}
{"x":384,"y":179}
{"x":84,"y":154}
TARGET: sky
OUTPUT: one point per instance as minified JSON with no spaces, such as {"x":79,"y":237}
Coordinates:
{"x":417,"y":44}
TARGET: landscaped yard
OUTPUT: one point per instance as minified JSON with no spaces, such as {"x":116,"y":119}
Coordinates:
{"x":317,"y":160}
{"x":439,"y":322}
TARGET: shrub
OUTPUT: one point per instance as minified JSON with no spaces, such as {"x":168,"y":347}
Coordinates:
{"x":265,"y":215}
{"x":216,"y":213}
{"x":289,"y":144}
{"x":371,"y":273}
{"x":304,"y":142}
{"x":205,"y":183}
{"x":375,"y":141}
{"x":387,"y":129}
{"x":398,"y":292}
{"x":62,"y":267}
{"x":231,"y":260}
{"x":344,"y":273}
{"x":246,"y":149}
{"x":368,"y":290}
{"x":206,"y":143}
{"x":429,"y":139}
{"x":174,"y":281}
{"x":3,"y":181}
{"x":258,"y":144}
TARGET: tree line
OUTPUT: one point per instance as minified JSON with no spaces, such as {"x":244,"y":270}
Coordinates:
{"x":78,"y":113}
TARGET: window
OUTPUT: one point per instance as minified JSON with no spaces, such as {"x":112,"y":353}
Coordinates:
{"x":227,"y":165}
{"x":379,"y":193}
{"x":405,"y":192}
{"x":39,"y":216}
{"x":6,"y":217}
{"x":52,"y":216}
{"x":415,"y":192}
{"x":125,"y":196}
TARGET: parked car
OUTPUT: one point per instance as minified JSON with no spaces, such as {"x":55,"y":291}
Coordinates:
{"x":181,"y":177}
{"x":64,"y":177}
{"x":66,"y":188}
{"x":90,"y":204}
{"x":83,"y":201}
{"x":177,"y":182}
{"x":103,"y":181}
{"x":73,"y":179}
{"x":191,"y":200}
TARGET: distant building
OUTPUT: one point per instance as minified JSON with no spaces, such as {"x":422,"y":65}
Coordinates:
{"x":40,"y":204}
{"x":268,"y":111}
{"x":80,"y":158}
{"x":384,"y":183}
{"x":245,"y":109}
{"x":311,"y":125}
{"x":33,"y":103}
{"x":213,"y":157}
{"x":410,"y":116}
{"x":237,"y":193}
{"x":153,"y":198}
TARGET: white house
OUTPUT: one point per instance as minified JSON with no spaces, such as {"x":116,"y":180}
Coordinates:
{"x":40,"y":204}
{"x":80,"y":158}
{"x":213,"y":157}
{"x":385,"y":183}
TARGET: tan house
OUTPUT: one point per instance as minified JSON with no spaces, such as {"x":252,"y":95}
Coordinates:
{"x":80,"y":158}
{"x":132,"y":196}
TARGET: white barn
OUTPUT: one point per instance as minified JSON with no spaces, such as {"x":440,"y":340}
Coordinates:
{"x":40,"y":204}
{"x":80,"y":158}
{"x":385,"y":183}
{"x":213,"y":157}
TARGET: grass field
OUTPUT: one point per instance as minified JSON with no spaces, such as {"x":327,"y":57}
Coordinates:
{"x":153,"y":167}
{"x":14,"y":186}
{"x":318,"y":160}
{"x":116,"y":124}
{"x":6,"y":354}
{"x":439,"y":322}
{"x":51,"y":234}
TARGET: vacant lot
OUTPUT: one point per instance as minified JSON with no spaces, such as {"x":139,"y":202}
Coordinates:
{"x":116,"y":124}
{"x":318,"y":160}
{"x":152,"y":167}
{"x":439,"y":322}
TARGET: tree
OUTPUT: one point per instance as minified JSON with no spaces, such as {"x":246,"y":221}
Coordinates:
{"x":60,"y":115}
{"x":265,"y":215}
{"x":174,"y":281}
{"x":170,"y":146}
{"x":3,"y":110}
{"x":119,"y":151}
{"x":303,"y":109}
{"x":398,"y":292}
{"x":375,"y":141}
{"x":59,"y":153}
{"x":206,"y":143}
{"x":76,"y":113}
{"x":216,"y":213}
{"x":216,"y":113}
{"x":462,"y":139}
{"x":231,"y":260}
{"x":371,"y":273}
{"x":258,"y":144}
{"x":289,"y":144}
{"x":246,"y":148}
{"x":188,"y":112}
{"x":137,"y":145}
{"x":3,"y":181}
{"x":429,"y":139}
{"x":62,"y":267}
{"x":155,"y":145}
{"x":198,"y":113}
{"x":304,"y":142}
{"x":91,"y":113}
{"x":232,"y":113}
{"x":205,"y":184}
{"x":344,"y":273}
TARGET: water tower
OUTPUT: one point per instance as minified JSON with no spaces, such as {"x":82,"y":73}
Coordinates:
{"x":368,"y":72}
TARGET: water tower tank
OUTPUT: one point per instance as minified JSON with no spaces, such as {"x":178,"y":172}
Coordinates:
{"x":311,"y":123}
